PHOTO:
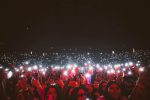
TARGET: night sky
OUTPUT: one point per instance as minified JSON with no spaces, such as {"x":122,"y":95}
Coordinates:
{"x":74,"y":23}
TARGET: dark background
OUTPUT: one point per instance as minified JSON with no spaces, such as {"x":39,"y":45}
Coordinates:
{"x":74,"y":23}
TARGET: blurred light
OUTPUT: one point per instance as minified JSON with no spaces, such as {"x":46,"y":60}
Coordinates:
{"x":105,"y":67}
{"x":112,"y":71}
{"x":118,"y":71}
{"x":1,"y":67}
{"x":43,"y":73}
{"x":117,"y":66}
{"x":89,"y":62}
{"x":141,"y":69}
{"x":6,"y":69}
{"x":100,"y":68}
{"x":90,"y":68}
{"x":108,"y":72}
{"x":29,"y":69}
{"x":129,"y":73}
{"x":40,"y":66}
{"x":17,"y":70}
{"x":87,"y":99}
{"x":130,"y":63}
{"x":137,"y":65}
{"x":35,"y":67}
{"x":73,"y":71}
{"x":123,"y":69}
{"x":26,"y":62}
{"x":113,"y":52}
{"x":66,"y":73}
{"x":126,"y":64}
{"x":122,"y":64}
{"x":21,"y":67}
{"x":75,"y":65}
{"x":87,"y":75}
{"x":22,"y":76}
{"x":9,"y":75}
{"x":97,"y":66}
{"x":68,"y":66}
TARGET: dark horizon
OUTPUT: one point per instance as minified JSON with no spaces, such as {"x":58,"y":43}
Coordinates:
{"x":74,"y":24}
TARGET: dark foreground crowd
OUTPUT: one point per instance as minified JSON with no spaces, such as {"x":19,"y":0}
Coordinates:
{"x":56,"y":86}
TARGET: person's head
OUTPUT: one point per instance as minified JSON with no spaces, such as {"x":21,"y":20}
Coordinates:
{"x":95,"y":94}
{"x":103,"y":85}
{"x":52,"y":93}
{"x":89,"y":88}
{"x":113,"y":90}
{"x":79,"y":93}
{"x":96,"y":84}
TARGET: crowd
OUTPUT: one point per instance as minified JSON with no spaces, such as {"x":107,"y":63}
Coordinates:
{"x":90,"y":81}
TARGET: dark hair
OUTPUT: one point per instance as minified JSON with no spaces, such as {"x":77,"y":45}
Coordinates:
{"x":57,"y":88}
{"x":75,"y":91}
{"x":106,"y":93}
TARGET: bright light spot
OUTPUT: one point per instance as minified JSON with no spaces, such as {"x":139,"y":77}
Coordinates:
{"x":108,"y":72}
{"x":21,"y":67}
{"x":105,"y":67}
{"x":22,"y":76}
{"x":73,"y":71}
{"x":112,"y":71}
{"x":85,"y":64}
{"x":141,"y":69}
{"x":130,"y":63}
{"x":97,"y":66}
{"x":122,"y":64}
{"x":17,"y":70}
{"x":75,"y":65}
{"x":118,"y":71}
{"x":89,"y":62}
{"x":129,"y":73}
{"x":29,"y":69}
{"x":126,"y":64}
{"x":35,"y":67}
{"x":87,"y":75}
{"x":9,"y":75}
{"x":68,"y":66}
{"x":123,"y":69}
{"x":87,"y":99}
{"x":100,"y":68}
{"x":117,"y":66}
{"x":66,"y":73}
{"x":113,"y":52}
{"x":6,"y":69}
{"x":43,"y":73}
{"x":26,"y":62}
{"x":40,"y":66}
{"x":1,"y":67}
{"x":90,"y":68}
{"x":137,"y":65}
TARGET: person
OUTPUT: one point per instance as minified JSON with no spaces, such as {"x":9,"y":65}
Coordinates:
{"x":52,"y":92}
{"x":113,"y":92}
{"x":79,"y":93}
